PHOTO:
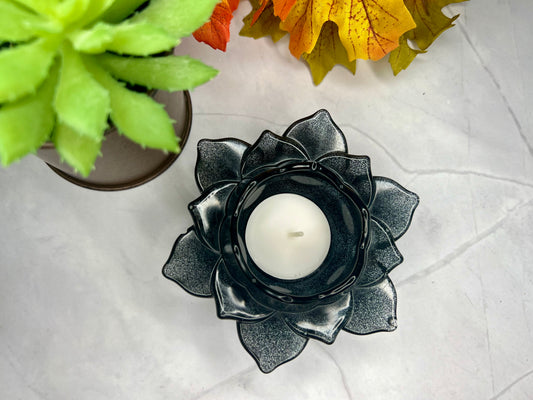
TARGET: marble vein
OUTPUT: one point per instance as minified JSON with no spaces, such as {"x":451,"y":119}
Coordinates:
{"x":224,"y":382}
{"x":495,"y":82}
{"x":437,"y":171}
{"x":510,"y":386}
{"x":416,"y":172}
{"x":241,"y":116}
{"x":341,"y":372}
{"x":487,"y":331}
{"x":461,"y":249}
{"x":22,"y":376}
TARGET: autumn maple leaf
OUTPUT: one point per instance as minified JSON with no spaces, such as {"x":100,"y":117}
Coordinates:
{"x":215,"y":32}
{"x":430,"y":23}
{"x":325,"y":33}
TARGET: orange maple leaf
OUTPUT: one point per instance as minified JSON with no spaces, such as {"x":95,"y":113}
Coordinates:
{"x":281,"y":8}
{"x":215,"y":32}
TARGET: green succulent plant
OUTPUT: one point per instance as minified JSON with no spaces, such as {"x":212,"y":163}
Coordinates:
{"x":65,"y":66}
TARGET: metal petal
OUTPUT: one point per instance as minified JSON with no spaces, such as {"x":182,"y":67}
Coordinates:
{"x":270,"y":342}
{"x":208,"y":212}
{"x":270,"y":150}
{"x":233,"y":300}
{"x":393,"y":205}
{"x":374,"y":309}
{"x":354,"y":170}
{"x":191,"y":264}
{"x":323,"y":322}
{"x":219,"y":161}
{"x":382,"y":255}
{"x":318,"y":135}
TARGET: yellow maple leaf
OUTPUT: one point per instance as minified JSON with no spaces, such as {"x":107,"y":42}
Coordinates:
{"x":328,"y":52}
{"x":368,"y":29}
{"x":430,"y":23}
{"x":329,"y":32}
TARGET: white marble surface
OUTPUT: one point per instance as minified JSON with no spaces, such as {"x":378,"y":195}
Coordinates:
{"x":86,"y":314}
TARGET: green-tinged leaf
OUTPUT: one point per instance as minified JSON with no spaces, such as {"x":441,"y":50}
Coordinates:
{"x":178,"y":17}
{"x":402,"y":56}
{"x":169,"y":73}
{"x":430,"y":21}
{"x":79,"y":151}
{"x":68,"y":11}
{"x":23,"y":68}
{"x":140,"y":39}
{"x":44,"y":7}
{"x":94,"y":10}
{"x":137,"y":115}
{"x":18,"y":24}
{"x":94,"y":40}
{"x":121,"y":9}
{"x":264,"y":24}
{"x":80,"y":101}
{"x":27,"y":123}
{"x":327,"y":53}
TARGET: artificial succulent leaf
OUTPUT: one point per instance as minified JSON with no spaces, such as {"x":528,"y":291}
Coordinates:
{"x":136,"y":115}
{"x":261,"y":22}
{"x":402,"y":56}
{"x":33,"y":116}
{"x":18,"y":24}
{"x":327,"y":53}
{"x":23,"y":68}
{"x":430,"y":21}
{"x":96,"y":9}
{"x":169,"y":73}
{"x":216,"y":31}
{"x":367,"y":29}
{"x":80,"y":101}
{"x":140,"y":39}
{"x":39,"y":6}
{"x":69,"y":11}
{"x":121,"y":9}
{"x":178,"y":17}
{"x":94,"y":40}
{"x":78,"y":150}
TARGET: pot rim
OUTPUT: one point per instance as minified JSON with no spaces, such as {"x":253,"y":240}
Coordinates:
{"x":169,"y":160}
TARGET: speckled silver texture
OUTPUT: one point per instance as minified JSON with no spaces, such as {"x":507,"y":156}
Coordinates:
{"x":350,"y":290}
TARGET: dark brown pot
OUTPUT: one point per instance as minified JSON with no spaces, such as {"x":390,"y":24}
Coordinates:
{"x":124,"y":164}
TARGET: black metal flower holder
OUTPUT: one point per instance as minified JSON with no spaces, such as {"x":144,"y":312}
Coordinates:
{"x":350,"y":290}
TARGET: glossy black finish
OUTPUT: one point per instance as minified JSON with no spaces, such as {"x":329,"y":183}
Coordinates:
{"x":350,"y":290}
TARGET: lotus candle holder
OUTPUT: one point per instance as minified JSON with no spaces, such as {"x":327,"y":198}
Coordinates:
{"x":350,"y":290}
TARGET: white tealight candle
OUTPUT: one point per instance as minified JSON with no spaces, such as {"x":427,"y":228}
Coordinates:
{"x":288,"y":236}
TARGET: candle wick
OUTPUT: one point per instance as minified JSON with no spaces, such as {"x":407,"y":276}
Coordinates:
{"x":296,"y":234}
